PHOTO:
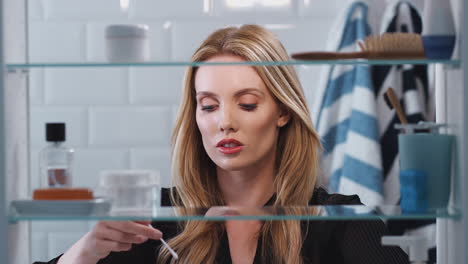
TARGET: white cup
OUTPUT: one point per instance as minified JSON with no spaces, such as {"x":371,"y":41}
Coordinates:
{"x":127,"y":43}
{"x":133,"y":192}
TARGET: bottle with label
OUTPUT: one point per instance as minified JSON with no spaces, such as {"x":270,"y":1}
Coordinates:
{"x":56,"y":160}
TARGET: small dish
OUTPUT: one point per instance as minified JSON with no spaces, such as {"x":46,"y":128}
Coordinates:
{"x":98,"y":206}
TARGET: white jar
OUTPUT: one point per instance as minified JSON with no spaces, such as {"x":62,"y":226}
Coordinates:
{"x":133,"y":192}
{"x":127,"y":43}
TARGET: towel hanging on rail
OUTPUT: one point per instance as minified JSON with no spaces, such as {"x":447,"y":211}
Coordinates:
{"x":347,"y":121}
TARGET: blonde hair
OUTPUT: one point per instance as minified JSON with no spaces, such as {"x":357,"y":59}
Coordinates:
{"x":194,"y":174}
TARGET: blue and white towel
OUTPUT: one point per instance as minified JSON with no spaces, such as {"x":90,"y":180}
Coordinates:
{"x":347,"y":121}
{"x":410,"y":83}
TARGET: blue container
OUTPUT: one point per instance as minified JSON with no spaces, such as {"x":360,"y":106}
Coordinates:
{"x":413,"y":191}
{"x":431,"y":154}
{"x":439,"y":47}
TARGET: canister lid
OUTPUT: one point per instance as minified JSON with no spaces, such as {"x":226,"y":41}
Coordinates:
{"x":129,"y":178}
{"x":127,"y":30}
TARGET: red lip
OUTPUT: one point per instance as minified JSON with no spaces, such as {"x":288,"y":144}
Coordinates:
{"x":229,"y":150}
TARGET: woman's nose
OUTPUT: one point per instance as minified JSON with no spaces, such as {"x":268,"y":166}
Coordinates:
{"x":227,"y":120}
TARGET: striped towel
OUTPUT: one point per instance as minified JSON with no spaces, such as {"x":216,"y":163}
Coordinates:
{"x":410,"y":83}
{"x":347,"y":121}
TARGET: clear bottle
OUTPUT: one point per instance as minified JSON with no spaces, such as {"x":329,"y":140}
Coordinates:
{"x":56,"y":160}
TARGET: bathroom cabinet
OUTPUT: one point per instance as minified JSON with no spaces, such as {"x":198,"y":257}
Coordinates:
{"x":15,"y":143}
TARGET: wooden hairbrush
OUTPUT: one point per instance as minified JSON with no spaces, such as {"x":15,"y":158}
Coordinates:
{"x":385,"y":46}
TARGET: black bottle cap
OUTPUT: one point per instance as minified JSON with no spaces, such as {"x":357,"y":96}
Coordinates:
{"x":55,"y":132}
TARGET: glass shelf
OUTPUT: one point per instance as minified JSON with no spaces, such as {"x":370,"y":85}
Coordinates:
{"x":186,"y":63}
{"x":321,"y":213}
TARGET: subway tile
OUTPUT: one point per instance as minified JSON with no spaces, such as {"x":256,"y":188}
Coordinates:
{"x":158,"y":35}
{"x":84,"y":10}
{"x":185,"y":40}
{"x":81,"y":86}
{"x":36,"y":86}
{"x":255,"y":8}
{"x":89,"y":162}
{"x":304,"y":35}
{"x":322,"y":8}
{"x":56,"y":42}
{"x":153,"y":159}
{"x":59,"y":242}
{"x":174,"y":9}
{"x":296,"y":35}
{"x":162,"y":85}
{"x":130,"y":126}
{"x":75,"y":119}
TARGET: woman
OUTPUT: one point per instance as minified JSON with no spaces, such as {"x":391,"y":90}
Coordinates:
{"x":243,"y":137}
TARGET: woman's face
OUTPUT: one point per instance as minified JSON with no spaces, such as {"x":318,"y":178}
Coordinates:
{"x":236,"y":115}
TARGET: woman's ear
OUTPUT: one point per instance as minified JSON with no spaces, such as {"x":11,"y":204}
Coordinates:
{"x":284,"y":117}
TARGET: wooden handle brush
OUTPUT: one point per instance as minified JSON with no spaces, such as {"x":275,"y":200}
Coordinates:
{"x":385,"y":46}
{"x":394,"y":103}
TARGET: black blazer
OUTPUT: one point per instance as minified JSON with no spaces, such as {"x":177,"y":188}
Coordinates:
{"x":326,"y":242}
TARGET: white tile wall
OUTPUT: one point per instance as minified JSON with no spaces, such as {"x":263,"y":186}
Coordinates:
{"x":130,"y":126}
{"x":90,"y":162}
{"x":83,"y":10}
{"x":153,"y":159}
{"x":86,"y":86}
{"x":277,"y":9}
{"x":302,"y":35}
{"x":187,"y":36}
{"x":160,"y":85}
{"x":120,"y":118}
{"x":174,"y":9}
{"x":56,"y":42}
{"x":326,"y":9}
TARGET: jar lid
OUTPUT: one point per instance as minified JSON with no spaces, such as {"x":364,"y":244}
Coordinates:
{"x":127,"y":30}
{"x":128,"y":178}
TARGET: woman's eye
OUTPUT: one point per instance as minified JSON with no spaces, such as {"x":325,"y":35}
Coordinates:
{"x":249,"y":107}
{"x":207,"y":108}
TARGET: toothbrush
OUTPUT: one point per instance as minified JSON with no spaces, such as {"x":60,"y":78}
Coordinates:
{"x":173,"y":253}
{"x":393,"y":102}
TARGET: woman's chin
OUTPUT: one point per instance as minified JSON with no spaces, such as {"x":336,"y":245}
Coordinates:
{"x":231,"y":165}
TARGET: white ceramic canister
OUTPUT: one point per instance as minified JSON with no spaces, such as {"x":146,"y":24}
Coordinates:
{"x":127,"y":43}
{"x":133,"y":192}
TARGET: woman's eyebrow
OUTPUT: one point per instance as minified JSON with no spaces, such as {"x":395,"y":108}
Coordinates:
{"x":249,"y":90}
{"x":237,"y":94}
{"x":205,"y":93}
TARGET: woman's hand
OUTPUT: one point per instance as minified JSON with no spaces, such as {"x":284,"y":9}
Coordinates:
{"x":108,"y":236}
